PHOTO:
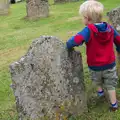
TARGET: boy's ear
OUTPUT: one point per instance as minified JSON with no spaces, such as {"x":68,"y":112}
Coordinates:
{"x":89,"y":19}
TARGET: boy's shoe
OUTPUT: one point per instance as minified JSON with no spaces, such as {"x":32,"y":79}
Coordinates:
{"x":113,"y":109}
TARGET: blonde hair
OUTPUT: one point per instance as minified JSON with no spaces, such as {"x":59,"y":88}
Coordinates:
{"x":93,"y":10}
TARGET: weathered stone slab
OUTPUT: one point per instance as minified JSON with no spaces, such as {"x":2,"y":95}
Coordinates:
{"x":37,"y":9}
{"x":114,"y":17}
{"x":4,"y":7}
{"x":48,"y":84}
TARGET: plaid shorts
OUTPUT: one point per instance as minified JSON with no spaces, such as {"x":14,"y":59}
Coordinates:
{"x":107,"y":78}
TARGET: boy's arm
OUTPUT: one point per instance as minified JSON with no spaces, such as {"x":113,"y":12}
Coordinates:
{"x":117,"y":41}
{"x":79,"y":38}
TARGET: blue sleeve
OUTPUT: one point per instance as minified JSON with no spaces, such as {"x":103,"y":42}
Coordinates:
{"x":79,"y":38}
{"x":71,"y":43}
{"x":115,"y":33}
{"x":85,"y":33}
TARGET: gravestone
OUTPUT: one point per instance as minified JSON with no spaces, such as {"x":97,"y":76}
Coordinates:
{"x":37,"y":9}
{"x":114,"y":17}
{"x":4,"y":7}
{"x":47,"y":83}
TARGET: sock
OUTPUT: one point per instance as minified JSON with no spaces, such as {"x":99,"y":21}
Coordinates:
{"x":100,"y":93}
{"x":115,"y":105}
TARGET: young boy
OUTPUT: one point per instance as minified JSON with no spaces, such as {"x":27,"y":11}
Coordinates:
{"x":99,"y":38}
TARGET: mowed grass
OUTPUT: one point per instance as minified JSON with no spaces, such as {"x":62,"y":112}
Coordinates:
{"x":16,"y":35}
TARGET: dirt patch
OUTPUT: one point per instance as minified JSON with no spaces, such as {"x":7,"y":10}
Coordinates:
{"x":74,"y":18}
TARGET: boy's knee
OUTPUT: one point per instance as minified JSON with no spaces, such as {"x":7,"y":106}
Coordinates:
{"x":110,"y":79}
{"x":111,"y":84}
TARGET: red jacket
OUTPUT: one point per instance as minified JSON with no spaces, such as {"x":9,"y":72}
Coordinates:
{"x":100,"y":47}
{"x":99,"y":39}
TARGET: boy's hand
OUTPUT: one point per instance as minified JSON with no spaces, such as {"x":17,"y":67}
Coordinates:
{"x":70,"y":51}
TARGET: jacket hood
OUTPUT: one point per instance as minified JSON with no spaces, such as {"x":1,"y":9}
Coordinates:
{"x":102,"y":30}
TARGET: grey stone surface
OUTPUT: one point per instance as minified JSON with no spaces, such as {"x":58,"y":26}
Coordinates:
{"x":4,"y":7}
{"x":37,"y":9}
{"x":48,"y":84}
{"x":114,"y":17}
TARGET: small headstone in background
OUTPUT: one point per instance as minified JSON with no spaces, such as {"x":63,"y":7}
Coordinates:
{"x":4,"y":7}
{"x":37,"y":9}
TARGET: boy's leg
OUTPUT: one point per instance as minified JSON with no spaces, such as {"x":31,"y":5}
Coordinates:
{"x":97,"y":80}
{"x":112,"y":96}
{"x":100,"y":91}
{"x":110,"y":81}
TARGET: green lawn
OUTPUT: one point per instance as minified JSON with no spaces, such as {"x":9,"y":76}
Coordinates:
{"x":16,"y":34}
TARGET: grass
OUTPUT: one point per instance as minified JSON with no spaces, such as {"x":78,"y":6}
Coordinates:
{"x":16,"y":34}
